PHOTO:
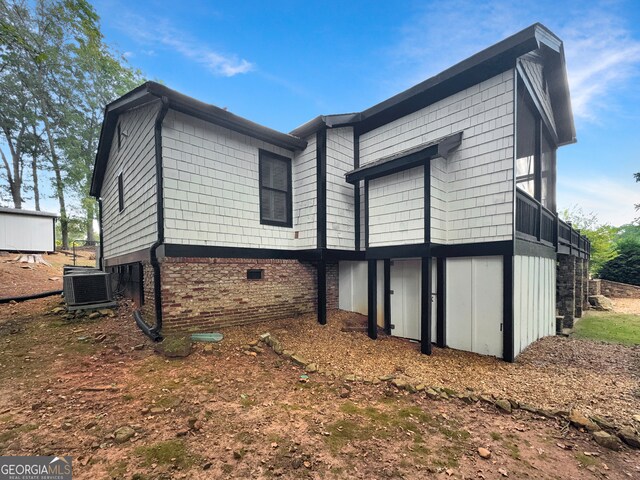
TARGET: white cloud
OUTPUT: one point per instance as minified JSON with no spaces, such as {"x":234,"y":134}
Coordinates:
{"x":601,"y":53}
{"x":161,"y":33}
{"x":610,"y":199}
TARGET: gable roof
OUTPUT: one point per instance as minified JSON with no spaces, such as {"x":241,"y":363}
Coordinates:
{"x":151,"y":91}
{"x":483,"y":65}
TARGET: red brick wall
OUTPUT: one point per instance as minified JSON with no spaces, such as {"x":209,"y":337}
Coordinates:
{"x":202,"y":294}
{"x":332,"y":286}
{"x":149,"y":305}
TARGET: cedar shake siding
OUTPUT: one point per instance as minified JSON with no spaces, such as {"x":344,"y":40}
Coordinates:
{"x":135,"y":227}
{"x":477,"y":178}
{"x":211,"y":188}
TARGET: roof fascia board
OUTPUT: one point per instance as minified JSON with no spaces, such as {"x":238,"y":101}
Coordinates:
{"x":536,"y":101}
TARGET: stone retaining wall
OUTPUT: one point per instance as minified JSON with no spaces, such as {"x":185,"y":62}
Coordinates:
{"x":613,"y":289}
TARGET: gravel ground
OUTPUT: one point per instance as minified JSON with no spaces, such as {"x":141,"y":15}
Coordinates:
{"x":626,"y":305}
{"x":553,"y":373}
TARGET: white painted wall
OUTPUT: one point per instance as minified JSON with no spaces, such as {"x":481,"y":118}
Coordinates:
{"x":352,"y":288}
{"x":340,"y":206}
{"x":534,"y":300}
{"x":479,"y":174}
{"x":135,"y":227}
{"x":211,"y":188}
{"x":474,"y":304}
{"x":26,"y":233}
{"x":396,"y":208}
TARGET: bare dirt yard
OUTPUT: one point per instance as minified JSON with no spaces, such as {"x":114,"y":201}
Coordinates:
{"x":96,"y":390}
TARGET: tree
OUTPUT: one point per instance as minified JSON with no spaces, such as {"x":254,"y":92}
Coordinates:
{"x":637,"y":177}
{"x":625,"y":268}
{"x":601,"y":236}
{"x":54,"y":54}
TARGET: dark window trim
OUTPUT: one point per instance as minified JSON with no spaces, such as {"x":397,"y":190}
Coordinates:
{"x":255,"y":274}
{"x":119,"y":136}
{"x":120,"y":193}
{"x":289,"y":222}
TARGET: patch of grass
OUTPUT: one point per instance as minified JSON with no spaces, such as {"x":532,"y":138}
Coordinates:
{"x":609,"y":327}
{"x":171,"y":452}
{"x":14,"y":432}
{"x":585,"y":460}
{"x":447,"y":457}
{"x":346,"y":430}
{"x":127,"y":397}
{"x":118,"y":469}
{"x":496,"y":436}
{"x":514,"y":451}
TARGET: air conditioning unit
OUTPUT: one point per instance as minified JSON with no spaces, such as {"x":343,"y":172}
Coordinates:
{"x":84,"y":289}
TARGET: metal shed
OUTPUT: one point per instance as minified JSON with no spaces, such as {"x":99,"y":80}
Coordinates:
{"x":27,"y":231}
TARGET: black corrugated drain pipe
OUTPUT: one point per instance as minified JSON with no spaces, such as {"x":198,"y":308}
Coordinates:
{"x":153,"y":332}
{"x":33,"y":296}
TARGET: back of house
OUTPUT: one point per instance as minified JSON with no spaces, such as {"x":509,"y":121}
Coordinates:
{"x":432,"y":213}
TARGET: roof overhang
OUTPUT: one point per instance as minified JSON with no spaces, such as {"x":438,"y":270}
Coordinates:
{"x":28,"y":213}
{"x":152,"y":91}
{"x":480,"y":67}
{"x":406,"y":159}
{"x":329,"y":121}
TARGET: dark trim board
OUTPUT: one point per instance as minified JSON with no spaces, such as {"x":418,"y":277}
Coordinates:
{"x":366,"y":214}
{"x":441,"y":282}
{"x":322,"y":292}
{"x":478,"y":249}
{"x":133,"y":257}
{"x":372,"y":301}
{"x":507,"y":309}
{"x":205,"y":251}
{"x":393,"y":165}
{"x":531,"y":249}
{"x":398,"y":251}
{"x":387,"y":296}
{"x":356,"y":189}
{"x":337,"y":255}
{"x":427,"y":202}
{"x":426,"y":310}
{"x":321,"y":187}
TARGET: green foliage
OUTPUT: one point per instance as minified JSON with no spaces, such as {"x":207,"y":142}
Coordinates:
{"x":601,"y":236}
{"x":624,"y":268}
{"x":56,"y":77}
{"x":637,"y":177}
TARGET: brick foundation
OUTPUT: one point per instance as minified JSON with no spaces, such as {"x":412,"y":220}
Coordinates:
{"x":149,"y":305}
{"x":203,"y":294}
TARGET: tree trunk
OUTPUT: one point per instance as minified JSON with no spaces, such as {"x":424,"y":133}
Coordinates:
{"x":64,"y":221}
{"x":34,"y":174}
{"x":90,"y":234}
{"x":13,"y":172}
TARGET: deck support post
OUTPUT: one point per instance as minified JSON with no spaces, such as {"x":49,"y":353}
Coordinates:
{"x":508,"y":353}
{"x":372,"y":301}
{"x":425,"y":314}
{"x":322,"y":291}
{"x":441,"y":330}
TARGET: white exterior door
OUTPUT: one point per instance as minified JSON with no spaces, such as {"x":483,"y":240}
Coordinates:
{"x":474,"y":304}
{"x":406,"y":305}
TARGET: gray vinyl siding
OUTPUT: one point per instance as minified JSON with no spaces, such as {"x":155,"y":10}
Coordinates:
{"x":340,"y":206}
{"x":439,"y":200}
{"x":396,"y":209}
{"x":211,"y":188}
{"x":135,"y":227}
{"x":478,"y":185}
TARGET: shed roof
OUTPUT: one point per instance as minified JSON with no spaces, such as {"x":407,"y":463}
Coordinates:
{"x":32,"y":213}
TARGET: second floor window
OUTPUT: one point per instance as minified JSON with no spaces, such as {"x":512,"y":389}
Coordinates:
{"x":275,"y":189}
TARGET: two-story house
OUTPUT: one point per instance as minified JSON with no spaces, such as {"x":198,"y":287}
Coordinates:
{"x":432,"y":212}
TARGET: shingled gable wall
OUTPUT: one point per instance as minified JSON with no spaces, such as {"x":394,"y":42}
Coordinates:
{"x":202,"y":294}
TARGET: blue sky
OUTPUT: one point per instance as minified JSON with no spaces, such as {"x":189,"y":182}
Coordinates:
{"x":283,"y":63}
